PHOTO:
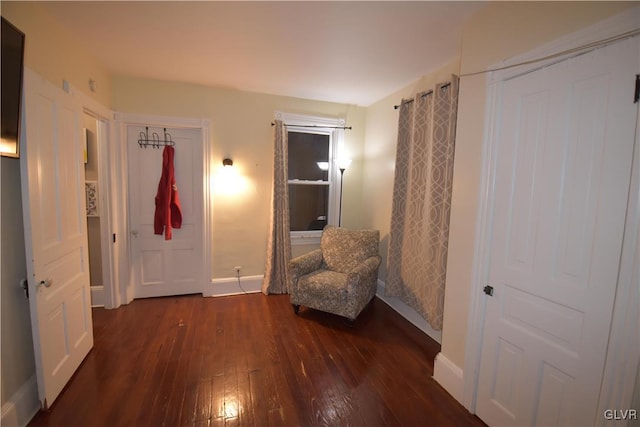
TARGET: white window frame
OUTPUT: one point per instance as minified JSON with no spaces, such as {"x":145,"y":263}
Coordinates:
{"x":323,"y":126}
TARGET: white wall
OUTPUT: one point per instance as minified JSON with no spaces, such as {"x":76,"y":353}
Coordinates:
{"x":54,"y":53}
{"x":241,"y":130}
{"x":16,"y":359}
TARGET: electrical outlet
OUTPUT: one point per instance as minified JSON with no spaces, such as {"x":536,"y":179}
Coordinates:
{"x":238,"y":268}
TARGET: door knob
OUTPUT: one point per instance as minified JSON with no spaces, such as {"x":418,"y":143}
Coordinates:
{"x":46,"y":283}
{"x":134,"y":233}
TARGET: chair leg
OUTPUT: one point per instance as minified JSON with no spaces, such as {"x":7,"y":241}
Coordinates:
{"x":296,"y":308}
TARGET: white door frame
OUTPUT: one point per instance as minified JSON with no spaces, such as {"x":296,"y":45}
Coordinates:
{"x":125,"y":291}
{"x":624,"y":348}
{"x":108,"y":180}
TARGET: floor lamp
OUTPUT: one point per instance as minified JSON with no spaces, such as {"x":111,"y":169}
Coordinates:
{"x":343,"y":164}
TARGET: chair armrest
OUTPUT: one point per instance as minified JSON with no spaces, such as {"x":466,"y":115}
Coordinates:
{"x":305,"y":264}
{"x":366,"y":267}
{"x":364,"y":274}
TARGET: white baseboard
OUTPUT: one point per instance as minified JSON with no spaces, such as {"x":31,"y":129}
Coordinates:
{"x":230,"y":286}
{"x":97,"y":296}
{"x":445,"y":372}
{"x":22,"y":406}
{"x":449,"y":376}
{"x":408,"y":313}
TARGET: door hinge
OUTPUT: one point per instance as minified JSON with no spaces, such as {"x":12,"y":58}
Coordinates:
{"x":488,"y":290}
{"x":636,"y":95}
{"x":114,"y":237}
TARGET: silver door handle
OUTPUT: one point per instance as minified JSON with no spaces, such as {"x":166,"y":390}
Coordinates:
{"x":46,"y":283}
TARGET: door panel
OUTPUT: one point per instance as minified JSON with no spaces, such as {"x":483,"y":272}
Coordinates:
{"x":166,"y":267}
{"x":561,"y":180}
{"x":55,"y":235}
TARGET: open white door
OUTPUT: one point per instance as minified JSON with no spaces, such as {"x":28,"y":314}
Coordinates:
{"x":563,"y":156}
{"x":55,"y":234}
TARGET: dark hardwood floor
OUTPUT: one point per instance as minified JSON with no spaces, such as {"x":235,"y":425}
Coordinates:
{"x":248,"y":360}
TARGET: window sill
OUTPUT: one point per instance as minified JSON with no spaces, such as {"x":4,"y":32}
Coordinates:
{"x":305,"y":237}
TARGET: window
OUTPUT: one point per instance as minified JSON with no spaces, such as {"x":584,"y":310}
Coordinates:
{"x":313,"y":176}
{"x":308,"y":182}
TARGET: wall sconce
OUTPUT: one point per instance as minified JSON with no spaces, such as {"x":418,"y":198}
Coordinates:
{"x":229,"y":181}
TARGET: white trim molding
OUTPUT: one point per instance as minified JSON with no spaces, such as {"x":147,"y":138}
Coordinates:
{"x":22,"y":406}
{"x":297,"y":123}
{"x":97,"y":296}
{"x":623,"y":353}
{"x":619,"y":376}
{"x":233,"y":286}
{"x":306,"y":238}
{"x":408,"y":313}
{"x":449,"y":376}
{"x":106,"y":145}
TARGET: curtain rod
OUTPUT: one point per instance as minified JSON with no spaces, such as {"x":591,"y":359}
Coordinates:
{"x":315,"y":126}
{"x":429,"y":92}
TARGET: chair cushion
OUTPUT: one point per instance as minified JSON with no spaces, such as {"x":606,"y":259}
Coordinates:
{"x":325,"y":287}
{"x":344,"y":249}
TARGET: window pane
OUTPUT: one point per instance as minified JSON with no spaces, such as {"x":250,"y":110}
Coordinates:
{"x":308,"y":206}
{"x":305,"y":150}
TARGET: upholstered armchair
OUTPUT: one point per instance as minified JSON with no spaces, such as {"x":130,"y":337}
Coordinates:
{"x":340,"y":277}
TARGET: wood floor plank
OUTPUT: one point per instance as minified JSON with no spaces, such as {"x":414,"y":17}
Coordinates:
{"x":248,"y":360}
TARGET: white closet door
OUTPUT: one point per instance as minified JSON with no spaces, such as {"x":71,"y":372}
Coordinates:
{"x":561,"y":180}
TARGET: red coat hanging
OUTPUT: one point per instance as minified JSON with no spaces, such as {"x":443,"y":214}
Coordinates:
{"x":168,"y":213}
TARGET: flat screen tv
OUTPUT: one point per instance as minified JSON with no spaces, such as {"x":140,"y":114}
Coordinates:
{"x":11,"y":62}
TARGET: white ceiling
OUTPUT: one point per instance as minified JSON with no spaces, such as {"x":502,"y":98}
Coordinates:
{"x":347,"y":52}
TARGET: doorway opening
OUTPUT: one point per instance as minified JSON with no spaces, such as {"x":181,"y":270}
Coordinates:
{"x":97,"y":202}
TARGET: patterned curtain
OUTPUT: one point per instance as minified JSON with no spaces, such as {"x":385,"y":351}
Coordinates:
{"x":276,"y":276}
{"x":417,"y":259}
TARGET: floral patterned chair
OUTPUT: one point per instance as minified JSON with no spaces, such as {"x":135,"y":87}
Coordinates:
{"x":340,"y":277}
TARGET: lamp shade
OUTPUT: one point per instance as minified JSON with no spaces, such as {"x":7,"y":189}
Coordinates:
{"x":343,"y":163}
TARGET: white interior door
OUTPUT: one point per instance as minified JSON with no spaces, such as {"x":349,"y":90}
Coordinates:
{"x":166,"y":267}
{"x":55,"y":234}
{"x":565,"y":138}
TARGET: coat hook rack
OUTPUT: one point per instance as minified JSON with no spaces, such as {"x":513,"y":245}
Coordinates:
{"x":155,"y":141}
